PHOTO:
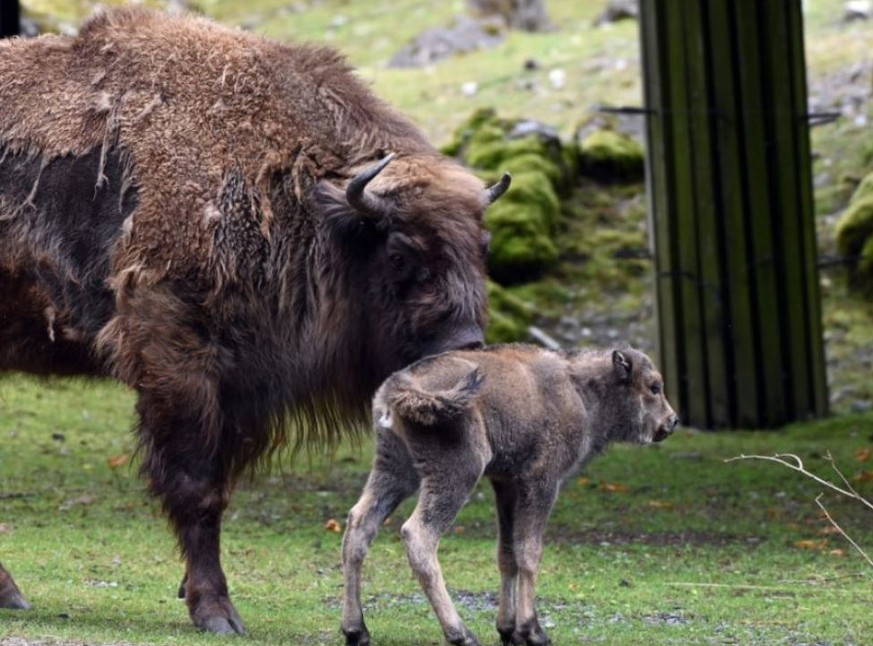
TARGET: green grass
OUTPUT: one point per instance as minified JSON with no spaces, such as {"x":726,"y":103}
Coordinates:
{"x":670,"y":545}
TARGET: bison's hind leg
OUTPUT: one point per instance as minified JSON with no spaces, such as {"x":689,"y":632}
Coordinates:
{"x":391,"y":481}
{"x":10,"y":595}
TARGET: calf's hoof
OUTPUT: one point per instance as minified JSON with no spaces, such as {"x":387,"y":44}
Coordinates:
{"x":465,"y":638}
{"x":508,"y":635}
{"x":357,"y":636}
{"x":218,"y":616}
{"x":536,"y":637}
{"x":530,"y":634}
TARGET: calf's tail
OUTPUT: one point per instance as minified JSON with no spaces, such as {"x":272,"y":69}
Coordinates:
{"x":412,"y":403}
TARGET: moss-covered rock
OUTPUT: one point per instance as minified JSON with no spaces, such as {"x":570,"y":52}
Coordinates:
{"x":524,"y":221}
{"x":522,"y":224}
{"x":489,"y":143}
{"x":854,"y":235}
{"x":611,"y":157}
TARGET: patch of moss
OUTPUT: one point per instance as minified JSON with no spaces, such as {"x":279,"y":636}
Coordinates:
{"x":611,"y":157}
{"x":863,"y":189}
{"x":510,"y":316}
{"x":865,"y":267}
{"x":521,"y":248}
{"x":855,"y":226}
{"x":854,"y":236}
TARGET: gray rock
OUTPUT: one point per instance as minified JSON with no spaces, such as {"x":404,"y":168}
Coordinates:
{"x":440,"y":43}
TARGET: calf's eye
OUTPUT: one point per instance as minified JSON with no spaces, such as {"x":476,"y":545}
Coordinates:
{"x":655,"y":388}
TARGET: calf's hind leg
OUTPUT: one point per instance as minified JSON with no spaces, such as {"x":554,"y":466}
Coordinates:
{"x":446,"y":484}
{"x":392,"y":480}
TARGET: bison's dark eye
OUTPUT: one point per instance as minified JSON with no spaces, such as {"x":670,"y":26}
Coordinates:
{"x":655,"y":389}
{"x":398,"y":262}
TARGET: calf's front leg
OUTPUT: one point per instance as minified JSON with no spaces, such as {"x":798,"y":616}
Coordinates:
{"x":533,"y":506}
{"x":505,"y":497}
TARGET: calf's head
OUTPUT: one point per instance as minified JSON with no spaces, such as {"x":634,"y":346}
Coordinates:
{"x":642,"y":412}
{"x":410,"y":232}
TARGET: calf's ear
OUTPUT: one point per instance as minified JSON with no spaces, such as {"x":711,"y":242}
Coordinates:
{"x":623,"y":366}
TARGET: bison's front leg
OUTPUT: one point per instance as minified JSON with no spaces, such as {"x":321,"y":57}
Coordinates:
{"x":10,"y":595}
{"x":187,"y":471}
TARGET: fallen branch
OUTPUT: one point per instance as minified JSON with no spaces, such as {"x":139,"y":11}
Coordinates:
{"x":840,"y":529}
{"x":797,"y":465}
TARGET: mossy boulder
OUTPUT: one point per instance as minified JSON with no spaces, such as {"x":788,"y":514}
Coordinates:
{"x":609,"y":156}
{"x":490,"y":143}
{"x":524,"y":221}
{"x":522,"y":225}
{"x":854,"y":235}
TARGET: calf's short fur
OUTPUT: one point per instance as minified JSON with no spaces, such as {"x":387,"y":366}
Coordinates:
{"x":525,"y":417}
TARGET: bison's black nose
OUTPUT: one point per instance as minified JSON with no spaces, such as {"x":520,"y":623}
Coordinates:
{"x":468,"y":339}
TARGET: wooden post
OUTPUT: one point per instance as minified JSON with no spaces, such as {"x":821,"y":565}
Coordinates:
{"x":10,"y":18}
{"x":732,"y":221}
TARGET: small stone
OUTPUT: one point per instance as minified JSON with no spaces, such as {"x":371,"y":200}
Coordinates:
{"x":558,"y":78}
{"x":470,"y":88}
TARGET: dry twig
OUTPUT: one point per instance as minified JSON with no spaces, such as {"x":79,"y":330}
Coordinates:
{"x":797,"y":465}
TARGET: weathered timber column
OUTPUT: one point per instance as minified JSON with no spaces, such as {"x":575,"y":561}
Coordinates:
{"x":730,"y":193}
{"x":10,"y":18}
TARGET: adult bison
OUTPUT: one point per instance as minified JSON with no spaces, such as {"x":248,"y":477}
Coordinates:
{"x":212,"y":218}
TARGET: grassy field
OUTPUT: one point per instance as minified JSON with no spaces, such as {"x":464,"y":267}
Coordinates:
{"x":671,"y":545}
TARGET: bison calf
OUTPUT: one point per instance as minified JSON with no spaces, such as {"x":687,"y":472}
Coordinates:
{"x":524,"y":417}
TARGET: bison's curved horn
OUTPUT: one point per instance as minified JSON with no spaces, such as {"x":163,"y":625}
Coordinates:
{"x":356,"y":192}
{"x":499,"y":188}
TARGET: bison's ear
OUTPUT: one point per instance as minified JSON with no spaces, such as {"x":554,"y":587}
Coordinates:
{"x":328,"y":201}
{"x":623,"y":366}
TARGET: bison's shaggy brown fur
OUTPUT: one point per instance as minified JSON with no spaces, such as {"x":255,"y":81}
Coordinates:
{"x":175,"y":212}
{"x":522,"y":416}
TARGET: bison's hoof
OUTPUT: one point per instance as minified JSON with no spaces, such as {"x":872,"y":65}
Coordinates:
{"x":357,"y":637}
{"x":13,"y":600}
{"x":219,"y":617}
{"x":221,"y":626}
